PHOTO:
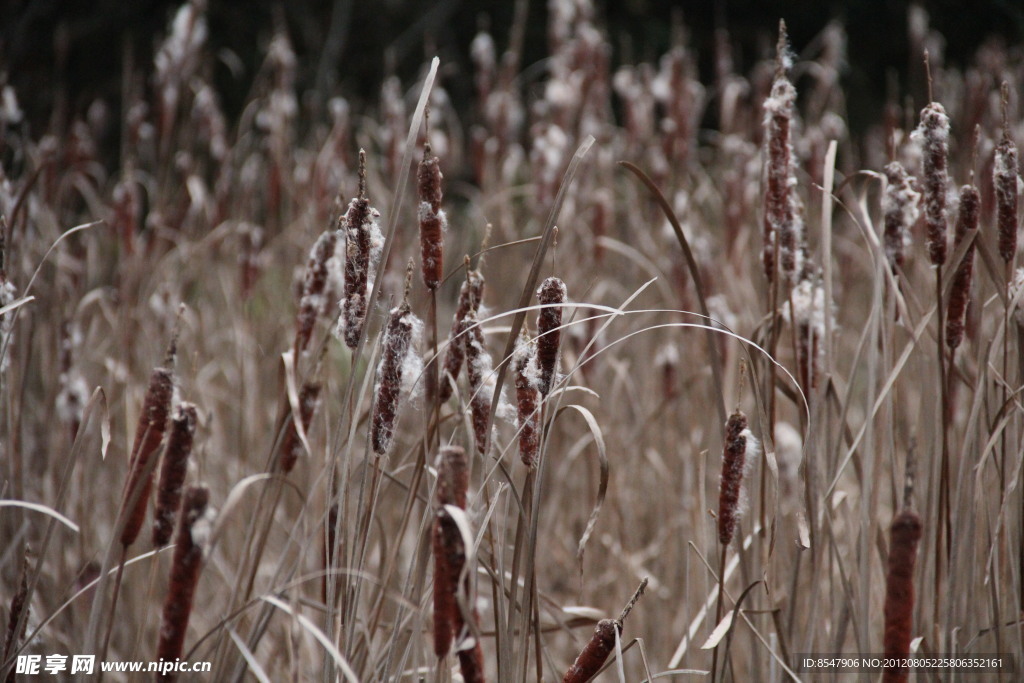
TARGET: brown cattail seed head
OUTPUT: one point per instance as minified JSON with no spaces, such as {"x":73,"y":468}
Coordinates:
{"x":479,"y":373}
{"x":1005,"y":179}
{"x":904,"y":535}
{"x":782,"y":221}
{"x":524,"y":367}
{"x":471,"y":663}
{"x":733,"y":466}
{"x":172,"y":473}
{"x":188,"y":558}
{"x":470,"y":297}
{"x":966,"y":221}
{"x":363,"y":244}
{"x":933,"y":136}
{"x":551,"y":296}
{"x":449,"y":559}
{"x":452,"y":477}
{"x":291,"y":444}
{"x":900,"y":212}
{"x":314,"y":285}
{"x":432,"y":220}
{"x":594,"y":654}
{"x":148,"y":434}
{"x":398,"y":338}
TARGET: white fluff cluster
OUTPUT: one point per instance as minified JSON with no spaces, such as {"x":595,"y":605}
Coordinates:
{"x":412,"y":364}
{"x":178,"y":57}
{"x":809,"y":307}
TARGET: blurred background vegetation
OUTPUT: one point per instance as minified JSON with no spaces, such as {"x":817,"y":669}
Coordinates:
{"x":62,"y":55}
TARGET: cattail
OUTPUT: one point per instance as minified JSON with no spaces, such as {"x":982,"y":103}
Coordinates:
{"x":933,"y":136}
{"x":149,"y":432}
{"x":470,"y":297}
{"x":900,"y":210}
{"x":172,"y":473}
{"x":314,"y":286}
{"x":452,"y":477}
{"x":807,"y":309}
{"x":904,"y":535}
{"x":249,"y":260}
{"x":291,"y":445}
{"x":741,"y":449}
{"x":19,"y":612}
{"x":432,"y":220}
{"x":363,"y":244}
{"x":594,"y":654}
{"x":782,"y":221}
{"x":1005,"y":179}
{"x":524,"y":366}
{"x":398,"y":342}
{"x":471,"y":663}
{"x":966,"y":221}
{"x":479,"y":373}
{"x":449,"y":559}
{"x":74,"y":392}
{"x":449,"y":551}
{"x":551,"y":295}
{"x":188,"y":559}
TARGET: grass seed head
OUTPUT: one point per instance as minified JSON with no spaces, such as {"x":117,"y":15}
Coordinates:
{"x":933,"y":136}
{"x":398,"y":342}
{"x":900,"y":209}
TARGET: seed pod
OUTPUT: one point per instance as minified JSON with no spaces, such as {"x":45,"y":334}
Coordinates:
{"x":172,"y":473}
{"x":594,"y":654}
{"x":452,"y":477}
{"x":314,"y":285}
{"x":291,"y":445}
{"x":478,"y":371}
{"x":449,"y":559}
{"x":470,"y":297}
{"x":432,"y":220}
{"x":733,"y":465}
{"x":397,"y":344}
{"x":904,"y":535}
{"x":967,"y":220}
{"x":781,"y":220}
{"x":524,"y":365}
{"x":900,"y":210}
{"x":361,"y":233}
{"x":933,"y":135}
{"x":551,"y":294}
{"x":471,"y":663}
{"x":148,"y":434}
{"x":1005,"y":179}
{"x":188,"y":559}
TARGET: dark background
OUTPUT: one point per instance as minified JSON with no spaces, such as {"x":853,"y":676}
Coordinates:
{"x":80,"y":44}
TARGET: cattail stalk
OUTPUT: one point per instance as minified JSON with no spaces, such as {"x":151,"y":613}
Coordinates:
{"x":904,"y":534}
{"x":188,"y":559}
{"x":470,"y":297}
{"x":396,"y":346}
{"x":551,"y":295}
{"x":148,"y":434}
{"x":361,"y":230}
{"x":733,"y":466}
{"x":524,"y":366}
{"x":933,"y":134}
{"x":449,"y":550}
{"x":900,"y":212}
{"x":1005,"y":179}
{"x":782,"y":227}
{"x":291,"y":444}
{"x":172,"y":473}
{"x":594,"y":653}
{"x":314,"y":286}
{"x":432,"y":220}
{"x":478,"y":371}
{"x":966,"y":221}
